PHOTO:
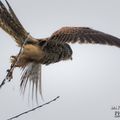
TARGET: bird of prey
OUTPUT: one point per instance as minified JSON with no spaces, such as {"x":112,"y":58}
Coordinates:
{"x":45,"y":51}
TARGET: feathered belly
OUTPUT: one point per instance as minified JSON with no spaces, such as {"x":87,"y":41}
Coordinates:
{"x":33,"y":52}
{"x":30,"y":53}
{"x":49,"y":54}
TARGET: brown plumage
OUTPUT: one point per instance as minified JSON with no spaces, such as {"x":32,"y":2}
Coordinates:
{"x":49,"y":50}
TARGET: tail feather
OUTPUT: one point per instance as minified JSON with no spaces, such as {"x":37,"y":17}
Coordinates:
{"x":32,"y":75}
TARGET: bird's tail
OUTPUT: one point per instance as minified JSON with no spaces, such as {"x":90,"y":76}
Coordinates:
{"x":31,"y":75}
{"x":10,"y":24}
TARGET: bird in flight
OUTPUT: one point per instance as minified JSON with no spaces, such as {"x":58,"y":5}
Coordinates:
{"x":45,"y":51}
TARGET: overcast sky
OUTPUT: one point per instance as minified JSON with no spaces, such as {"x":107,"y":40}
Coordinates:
{"x":89,"y":85}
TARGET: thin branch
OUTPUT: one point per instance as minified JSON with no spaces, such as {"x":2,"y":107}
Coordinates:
{"x":10,"y":71}
{"x":33,"y":109}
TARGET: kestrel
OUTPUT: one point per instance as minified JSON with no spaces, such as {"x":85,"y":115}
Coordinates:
{"x":45,"y":51}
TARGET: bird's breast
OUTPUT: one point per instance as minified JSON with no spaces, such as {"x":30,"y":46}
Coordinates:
{"x":33,"y":52}
{"x":51,"y":53}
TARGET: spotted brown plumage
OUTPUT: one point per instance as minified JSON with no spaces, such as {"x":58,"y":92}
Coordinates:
{"x":48,"y":50}
{"x":10,"y":24}
{"x":83,"y":35}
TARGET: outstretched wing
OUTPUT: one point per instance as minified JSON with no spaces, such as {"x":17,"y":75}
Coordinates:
{"x":10,"y":24}
{"x":83,"y":35}
{"x":32,"y":74}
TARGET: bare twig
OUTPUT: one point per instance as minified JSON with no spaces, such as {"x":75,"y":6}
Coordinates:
{"x":10,"y":71}
{"x":33,"y":109}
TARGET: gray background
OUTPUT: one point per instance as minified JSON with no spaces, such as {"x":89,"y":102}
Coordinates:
{"x":89,"y":85}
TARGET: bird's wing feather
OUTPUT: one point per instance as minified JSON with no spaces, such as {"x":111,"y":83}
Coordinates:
{"x":10,"y":24}
{"x":13,"y":14}
{"x":83,"y":35}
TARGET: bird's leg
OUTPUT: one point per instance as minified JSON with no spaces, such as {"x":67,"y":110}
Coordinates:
{"x":13,"y":60}
{"x":17,"y":63}
{"x":9,"y":75}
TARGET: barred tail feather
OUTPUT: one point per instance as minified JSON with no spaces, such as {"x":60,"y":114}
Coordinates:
{"x":32,"y":74}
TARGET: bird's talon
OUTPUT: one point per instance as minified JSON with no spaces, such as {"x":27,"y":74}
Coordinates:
{"x":13,"y":58}
{"x":8,"y":70}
